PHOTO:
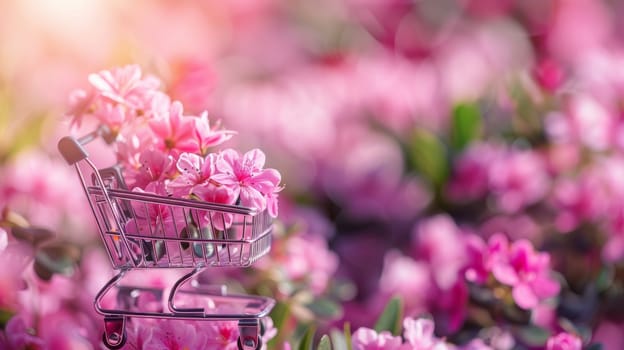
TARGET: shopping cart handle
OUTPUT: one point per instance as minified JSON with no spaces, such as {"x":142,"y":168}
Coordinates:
{"x":72,"y":150}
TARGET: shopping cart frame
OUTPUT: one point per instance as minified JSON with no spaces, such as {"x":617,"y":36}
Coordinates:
{"x":181,"y":233}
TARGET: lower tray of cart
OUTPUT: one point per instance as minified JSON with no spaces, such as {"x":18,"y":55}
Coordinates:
{"x":193,"y":302}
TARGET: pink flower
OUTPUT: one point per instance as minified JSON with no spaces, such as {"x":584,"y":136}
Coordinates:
{"x":269,"y":330}
{"x":369,"y":339}
{"x":15,"y":258}
{"x":209,"y":136}
{"x":470,"y":173}
{"x":138,"y":333}
{"x":124,"y":86}
{"x":497,"y":338}
{"x":158,"y":106}
{"x":564,"y":341}
{"x":169,"y":335}
{"x":246,"y":177}
{"x":518,"y":266}
{"x":308,"y":258}
{"x":272,"y":199}
{"x":365,"y":174}
{"x":80,"y":103}
{"x":613,"y":249}
{"x":116,"y":98}
{"x":450,"y":307}
{"x":439,"y":241}
{"x":477,"y":270}
{"x":529,"y":275}
{"x":4,"y":240}
{"x":113,"y":116}
{"x":196,"y":179}
{"x":130,"y":144}
{"x":419,"y":334}
{"x":155,"y":166}
{"x":406,"y":277}
{"x":517,"y":180}
{"x":20,"y":336}
{"x":67,"y":329}
{"x":585,"y":121}
{"x":576,"y":201}
{"x":216,"y":194}
{"x":303,"y":258}
{"x":221,"y":335}
{"x":195,"y":172}
{"x":549,"y":74}
{"x":155,"y":220}
{"x":567,"y":41}
{"x":175,"y":130}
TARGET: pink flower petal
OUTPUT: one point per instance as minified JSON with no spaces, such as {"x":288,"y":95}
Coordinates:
{"x":545,"y":287}
{"x":505,"y":274}
{"x":250,"y":197}
{"x":255,"y":158}
{"x":267,"y":179}
{"x":4,"y":241}
{"x":99,"y":81}
{"x":226,"y":161}
{"x":524,"y":296}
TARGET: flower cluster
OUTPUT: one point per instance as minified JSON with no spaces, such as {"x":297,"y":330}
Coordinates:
{"x":166,"y":152}
{"x":155,"y":334}
{"x":564,"y":341}
{"x":517,"y":266}
{"x":417,"y":335}
{"x":465,"y":158}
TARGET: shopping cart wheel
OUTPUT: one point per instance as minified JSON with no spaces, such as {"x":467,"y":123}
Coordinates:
{"x":115,"y":346}
{"x":249,"y":335}
{"x":242,"y":347}
{"x":114,"y":336}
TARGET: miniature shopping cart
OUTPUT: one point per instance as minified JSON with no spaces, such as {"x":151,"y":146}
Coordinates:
{"x":180,"y":233}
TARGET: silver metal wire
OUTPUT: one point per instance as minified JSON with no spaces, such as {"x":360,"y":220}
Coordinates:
{"x":145,"y":231}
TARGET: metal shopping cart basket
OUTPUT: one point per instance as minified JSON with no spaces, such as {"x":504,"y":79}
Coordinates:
{"x":179,"y":233}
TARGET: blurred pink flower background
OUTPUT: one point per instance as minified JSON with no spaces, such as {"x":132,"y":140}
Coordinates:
{"x":450,"y":172}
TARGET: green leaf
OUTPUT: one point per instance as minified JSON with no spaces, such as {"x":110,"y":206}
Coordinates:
{"x":325,"y":308}
{"x":390,"y":319}
{"x":5,"y":316}
{"x":532,"y":335}
{"x":466,"y":125}
{"x":605,"y":278}
{"x":324,"y":343}
{"x":280,"y":314}
{"x":308,"y":339}
{"x":595,"y":346}
{"x":427,"y":155}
